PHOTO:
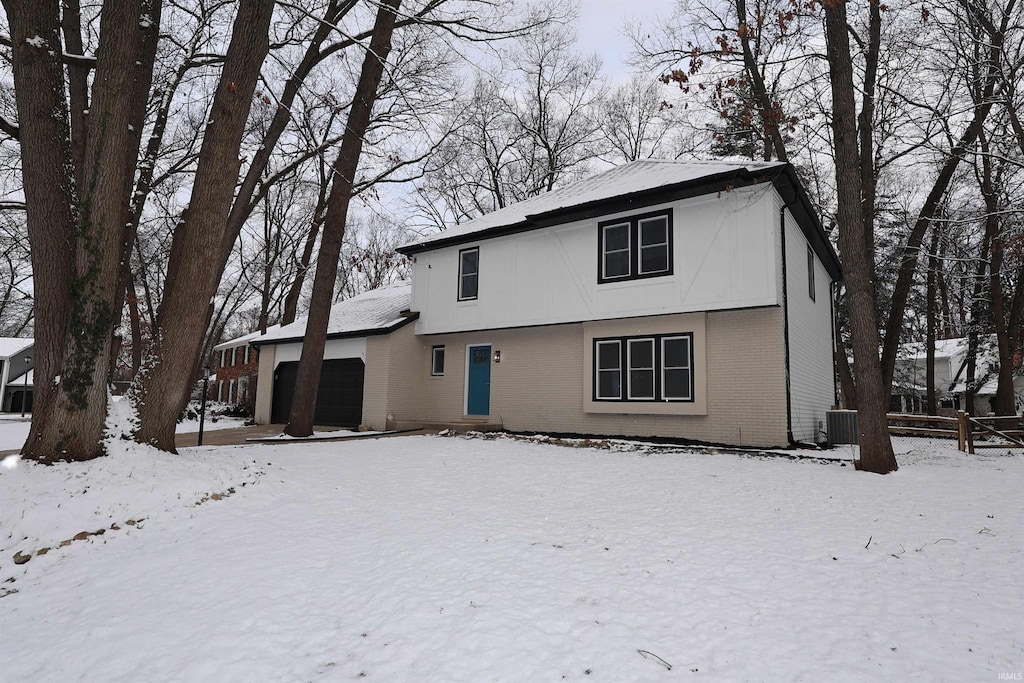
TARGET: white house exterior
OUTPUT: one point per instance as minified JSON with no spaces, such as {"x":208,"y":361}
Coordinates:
{"x":658,"y":299}
{"x":910,"y":376}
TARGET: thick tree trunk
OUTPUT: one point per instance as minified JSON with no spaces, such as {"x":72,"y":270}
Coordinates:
{"x":70,"y":424}
{"x":192,"y":277}
{"x":876,"y":453}
{"x":300,"y":421}
{"x":50,"y":200}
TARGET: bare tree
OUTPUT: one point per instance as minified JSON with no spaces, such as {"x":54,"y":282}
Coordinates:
{"x":300,"y":421}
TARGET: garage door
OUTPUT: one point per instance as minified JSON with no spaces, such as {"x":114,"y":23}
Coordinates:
{"x":339,"y":401}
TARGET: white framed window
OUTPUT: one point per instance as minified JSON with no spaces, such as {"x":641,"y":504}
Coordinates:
{"x":608,"y":361}
{"x":654,"y":253}
{"x":677,"y":368}
{"x":651,"y":368}
{"x":437,"y":361}
{"x":245,"y":354}
{"x":615,"y":251}
{"x":640,"y":354}
{"x":469,"y":273}
{"x":223,"y":357}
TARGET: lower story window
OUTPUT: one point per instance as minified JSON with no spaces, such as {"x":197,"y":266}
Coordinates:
{"x":437,"y":361}
{"x":650,"y":368}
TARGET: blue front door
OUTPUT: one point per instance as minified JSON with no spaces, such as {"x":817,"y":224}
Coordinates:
{"x":478,"y":399}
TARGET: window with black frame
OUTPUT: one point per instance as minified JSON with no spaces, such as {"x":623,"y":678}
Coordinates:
{"x":636,"y":247}
{"x":652,"y":368}
{"x":437,"y":361}
{"x":469,"y":273}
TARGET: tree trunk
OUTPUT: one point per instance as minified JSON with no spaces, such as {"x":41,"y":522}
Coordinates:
{"x":876,"y":453}
{"x":192,"y":276}
{"x":932,"y":405}
{"x":70,"y":424}
{"x":300,"y":421}
{"x":50,"y":199}
{"x":908,"y":263}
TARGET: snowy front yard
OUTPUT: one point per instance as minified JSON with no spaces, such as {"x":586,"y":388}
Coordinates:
{"x":454,"y":559}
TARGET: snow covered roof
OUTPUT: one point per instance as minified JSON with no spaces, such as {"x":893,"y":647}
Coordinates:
{"x":639,"y":183}
{"x":238,"y":341}
{"x":949,"y":348}
{"x":374,"y":312}
{"x":12,"y":346}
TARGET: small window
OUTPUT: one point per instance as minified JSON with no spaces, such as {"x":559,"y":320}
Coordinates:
{"x":609,"y":370}
{"x":654,"y":245}
{"x":641,"y":369}
{"x":437,"y":361}
{"x":616,"y":250}
{"x":245,"y":355}
{"x":810,"y":271}
{"x":677,"y":369}
{"x":469,"y":273}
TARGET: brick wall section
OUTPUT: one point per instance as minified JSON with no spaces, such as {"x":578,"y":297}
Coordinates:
{"x":538,"y":385}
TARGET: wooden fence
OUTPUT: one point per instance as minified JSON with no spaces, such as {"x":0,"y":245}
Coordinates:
{"x":970,"y":432}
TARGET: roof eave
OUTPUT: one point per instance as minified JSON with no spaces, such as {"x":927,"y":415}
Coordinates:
{"x":709,"y":184}
{"x":367,"y":332}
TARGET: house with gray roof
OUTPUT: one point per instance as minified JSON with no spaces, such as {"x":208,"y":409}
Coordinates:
{"x":685,"y":300}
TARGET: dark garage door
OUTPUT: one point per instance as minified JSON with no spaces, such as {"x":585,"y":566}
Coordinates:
{"x":339,"y":401}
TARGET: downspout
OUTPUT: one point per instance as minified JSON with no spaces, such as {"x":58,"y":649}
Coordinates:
{"x":785,"y":330}
{"x":833,"y":295}
{"x":785,"y":325}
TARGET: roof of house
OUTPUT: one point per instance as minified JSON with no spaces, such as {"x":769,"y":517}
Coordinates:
{"x":238,"y":341}
{"x":12,"y":346}
{"x":378,"y":311}
{"x":633,"y":185}
{"x":948,"y":348}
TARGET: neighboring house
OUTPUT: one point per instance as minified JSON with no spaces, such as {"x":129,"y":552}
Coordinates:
{"x":235,"y":364}
{"x":658,"y":299}
{"x":16,"y":376}
{"x":910,"y":377}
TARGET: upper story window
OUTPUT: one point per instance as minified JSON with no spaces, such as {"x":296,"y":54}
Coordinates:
{"x":810,"y":272}
{"x":635,"y":247}
{"x":469,"y":273}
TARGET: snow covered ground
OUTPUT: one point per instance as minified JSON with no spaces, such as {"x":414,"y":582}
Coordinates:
{"x":14,"y":428}
{"x":457,"y":559}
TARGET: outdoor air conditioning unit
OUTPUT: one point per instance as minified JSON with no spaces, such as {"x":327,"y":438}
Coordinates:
{"x":841,"y":427}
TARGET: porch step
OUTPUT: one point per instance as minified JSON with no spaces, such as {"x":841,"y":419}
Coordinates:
{"x":456,"y":425}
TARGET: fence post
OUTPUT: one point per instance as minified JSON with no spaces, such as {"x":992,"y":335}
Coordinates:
{"x":961,"y":430}
{"x":969,"y":433}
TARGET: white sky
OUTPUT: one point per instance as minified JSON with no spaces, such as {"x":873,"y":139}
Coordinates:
{"x":600,"y":29}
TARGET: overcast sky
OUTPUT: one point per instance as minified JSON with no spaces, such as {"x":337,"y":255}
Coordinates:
{"x":600,"y":29}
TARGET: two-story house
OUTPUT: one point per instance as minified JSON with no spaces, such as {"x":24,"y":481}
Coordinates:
{"x":660,"y":298}
{"x":235,"y":363}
